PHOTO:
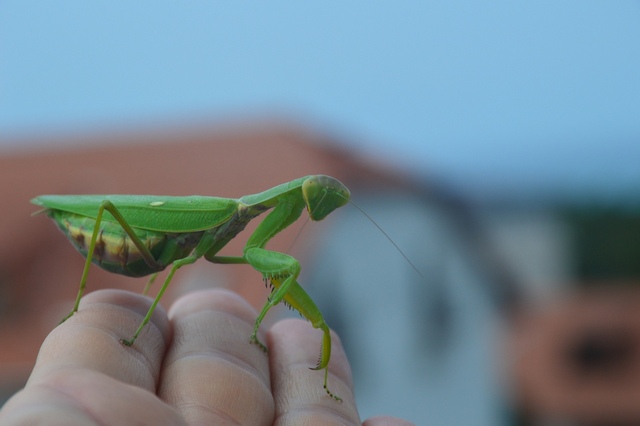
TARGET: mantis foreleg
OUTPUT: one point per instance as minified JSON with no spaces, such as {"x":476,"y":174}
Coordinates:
{"x":282,"y":270}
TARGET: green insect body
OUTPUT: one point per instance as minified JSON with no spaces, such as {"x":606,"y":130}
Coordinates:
{"x":140,"y":235}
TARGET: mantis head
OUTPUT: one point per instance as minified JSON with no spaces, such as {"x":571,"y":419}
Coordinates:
{"x":323,"y":194}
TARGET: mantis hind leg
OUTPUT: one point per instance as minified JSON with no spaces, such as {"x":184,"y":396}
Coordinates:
{"x":144,"y":251}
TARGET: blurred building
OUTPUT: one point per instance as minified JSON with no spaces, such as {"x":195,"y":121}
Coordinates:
{"x":425,"y":333}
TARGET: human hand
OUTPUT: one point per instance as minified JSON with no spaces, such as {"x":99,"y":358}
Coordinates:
{"x":194,"y":366}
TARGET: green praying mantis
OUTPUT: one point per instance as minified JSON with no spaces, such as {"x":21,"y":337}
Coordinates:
{"x":140,"y":235}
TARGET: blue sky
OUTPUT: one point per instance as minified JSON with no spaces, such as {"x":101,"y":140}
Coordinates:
{"x":542,"y":96}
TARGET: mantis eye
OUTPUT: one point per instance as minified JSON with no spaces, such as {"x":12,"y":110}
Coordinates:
{"x":323,"y":194}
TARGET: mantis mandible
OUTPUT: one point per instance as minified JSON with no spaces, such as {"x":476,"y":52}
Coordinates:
{"x":140,"y":235}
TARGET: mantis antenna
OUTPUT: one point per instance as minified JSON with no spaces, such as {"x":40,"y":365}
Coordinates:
{"x":387,"y":237}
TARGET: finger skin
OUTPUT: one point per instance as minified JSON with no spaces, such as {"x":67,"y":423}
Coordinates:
{"x":84,"y":375}
{"x":300,"y":398}
{"x":212,"y":374}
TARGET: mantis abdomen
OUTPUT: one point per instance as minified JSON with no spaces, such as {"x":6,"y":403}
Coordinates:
{"x":114,"y":249}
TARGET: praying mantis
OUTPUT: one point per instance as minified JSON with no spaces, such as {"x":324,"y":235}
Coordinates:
{"x":140,"y":235}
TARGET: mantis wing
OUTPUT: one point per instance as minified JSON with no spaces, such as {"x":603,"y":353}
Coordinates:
{"x":151,"y":212}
